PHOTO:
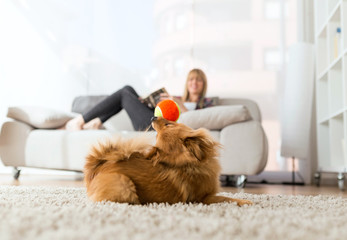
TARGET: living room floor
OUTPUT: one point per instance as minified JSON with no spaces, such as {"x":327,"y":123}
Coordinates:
{"x":77,"y":181}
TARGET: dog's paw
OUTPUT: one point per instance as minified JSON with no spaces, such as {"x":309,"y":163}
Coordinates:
{"x":241,"y":202}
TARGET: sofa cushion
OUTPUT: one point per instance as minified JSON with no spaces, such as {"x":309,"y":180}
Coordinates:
{"x":39,"y":117}
{"x":215,"y":118}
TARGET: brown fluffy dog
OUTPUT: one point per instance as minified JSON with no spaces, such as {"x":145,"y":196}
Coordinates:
{"x":181,"y":167}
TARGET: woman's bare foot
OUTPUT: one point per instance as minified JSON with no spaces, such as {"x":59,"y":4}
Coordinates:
{"x":93,"y":124}
{"x":75,"y":124}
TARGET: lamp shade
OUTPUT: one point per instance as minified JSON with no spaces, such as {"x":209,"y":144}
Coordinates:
{"x":296,"y":104}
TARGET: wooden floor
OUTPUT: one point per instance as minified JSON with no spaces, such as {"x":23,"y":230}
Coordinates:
{"x":76,"y":180}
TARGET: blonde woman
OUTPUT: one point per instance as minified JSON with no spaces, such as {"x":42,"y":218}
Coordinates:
{"x":139,"y":113}
{"x":194,"y":93}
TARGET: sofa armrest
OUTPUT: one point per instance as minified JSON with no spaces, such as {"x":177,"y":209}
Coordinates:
{"x":13,"y":139}
{"x":245,"y":148}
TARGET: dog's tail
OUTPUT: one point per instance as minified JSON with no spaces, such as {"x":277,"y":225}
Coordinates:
{"x":111,"y":152}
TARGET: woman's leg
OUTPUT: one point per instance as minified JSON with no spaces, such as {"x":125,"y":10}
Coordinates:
{"x":109,"y":106}
{"x":138,"y":112}
{"x":126,"y":98}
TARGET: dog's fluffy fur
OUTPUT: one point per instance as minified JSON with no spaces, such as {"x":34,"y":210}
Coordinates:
{"x":181,"y":167}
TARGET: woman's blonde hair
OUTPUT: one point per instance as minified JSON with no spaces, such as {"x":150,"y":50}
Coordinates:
{"x":200,"y":75}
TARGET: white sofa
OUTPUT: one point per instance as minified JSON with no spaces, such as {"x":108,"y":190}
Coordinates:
{"x":245,"y":146}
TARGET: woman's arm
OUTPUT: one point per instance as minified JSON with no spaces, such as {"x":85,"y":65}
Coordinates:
{"x":164,"y":96}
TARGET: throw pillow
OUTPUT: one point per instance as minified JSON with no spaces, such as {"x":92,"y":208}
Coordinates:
{"x":215,"y":118}
{"x":39,"y":117}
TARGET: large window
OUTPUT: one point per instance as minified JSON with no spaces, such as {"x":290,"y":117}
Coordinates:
{"x":240,"y":46}
{"x":55,"y":50}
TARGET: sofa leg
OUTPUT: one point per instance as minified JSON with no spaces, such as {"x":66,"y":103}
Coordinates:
{"x":241,"y":181}
{"x":16,"y":173}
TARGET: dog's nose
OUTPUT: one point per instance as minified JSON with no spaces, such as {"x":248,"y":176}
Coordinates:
{"x":153,"y":119}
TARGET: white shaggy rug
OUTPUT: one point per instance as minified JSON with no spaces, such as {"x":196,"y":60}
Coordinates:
{"x":66,"y":213}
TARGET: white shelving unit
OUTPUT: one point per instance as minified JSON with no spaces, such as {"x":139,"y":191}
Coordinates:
{"x":331,"y":87}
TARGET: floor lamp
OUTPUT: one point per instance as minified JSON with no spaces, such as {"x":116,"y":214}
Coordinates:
{"x":296,"y":105}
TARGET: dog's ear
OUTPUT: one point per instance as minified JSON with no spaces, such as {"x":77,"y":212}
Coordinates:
{"x":199,"y":144}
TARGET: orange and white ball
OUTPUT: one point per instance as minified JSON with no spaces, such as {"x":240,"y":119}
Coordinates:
{"x":167,"y":109}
